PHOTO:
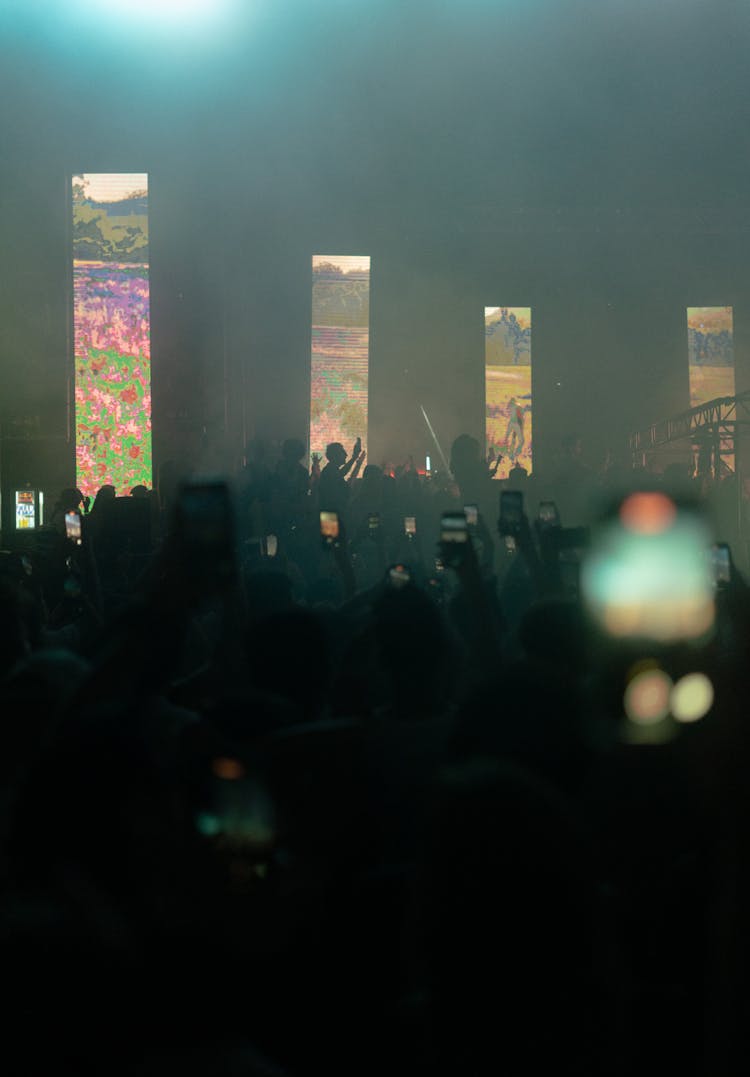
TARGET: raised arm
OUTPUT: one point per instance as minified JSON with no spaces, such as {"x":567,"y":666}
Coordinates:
{"x":353,"y":459}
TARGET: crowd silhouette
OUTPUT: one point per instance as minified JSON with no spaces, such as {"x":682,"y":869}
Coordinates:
{"x":366,"y":800}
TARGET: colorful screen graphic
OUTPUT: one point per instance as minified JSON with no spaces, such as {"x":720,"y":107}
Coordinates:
{"x":710,"y":353}
{"x":111,"y":331}
{"x":340,"y":350}
{"x":25,"y":510}
{"x":507,"y":358}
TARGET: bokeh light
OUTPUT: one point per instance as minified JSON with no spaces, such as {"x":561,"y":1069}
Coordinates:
{"x":648,"y":513}
{"x":692,"y":697}
{"x":648,"y":581}
{"x":647,"y":697}
{"x":228,"y":769}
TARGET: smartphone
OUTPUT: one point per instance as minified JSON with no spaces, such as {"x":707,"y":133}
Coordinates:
{"x":548,"y":516}
{"x":511,"y":511}
{"x":373,"y":521}
{"x":205,"y":523}
{"x":646,"y":576}
{"x":272,"y":545}
{"x":410,"y":525}
{"x":329,"y":527}
{"x":721,"y":564}
{"x":237,"y":812}
{"x":25,"y":510}
{"x":73,"y":527}
{"x":427,"y":466}
{"x":453,"y":527}
{"x":472,"y":515}
{"x":399,"y":576}
{"x":454,"y":537}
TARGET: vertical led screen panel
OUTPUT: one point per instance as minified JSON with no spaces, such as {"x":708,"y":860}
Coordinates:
{"x":507,"y":386}
{"x":111,"y":325}
{"x":340,"y":350}
{"x":710,"y":353}
{"x":711,"y":368}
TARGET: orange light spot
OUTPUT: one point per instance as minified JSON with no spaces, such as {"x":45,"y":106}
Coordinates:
{"x":648,"y":513}
{"x":229,"y":769}
{"x":646,"y":699}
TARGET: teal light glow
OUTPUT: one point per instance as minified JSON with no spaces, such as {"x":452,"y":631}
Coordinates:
{"x":655,"y":586}
{"x":179,"y":20}
{"x":157,"y":10}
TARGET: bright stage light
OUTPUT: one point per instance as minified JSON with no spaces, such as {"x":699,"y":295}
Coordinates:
{"x":172,"y":11}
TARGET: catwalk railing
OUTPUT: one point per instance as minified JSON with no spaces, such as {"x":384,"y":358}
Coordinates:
{"x":717,"y":419}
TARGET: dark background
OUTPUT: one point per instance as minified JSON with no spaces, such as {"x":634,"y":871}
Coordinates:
{"x":589,"y":159}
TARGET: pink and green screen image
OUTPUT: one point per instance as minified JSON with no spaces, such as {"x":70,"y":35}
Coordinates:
{"x":507,"y":386}
{"x":710,"y":353}
{"x":111,"y":325}
{"x":340,"y":350}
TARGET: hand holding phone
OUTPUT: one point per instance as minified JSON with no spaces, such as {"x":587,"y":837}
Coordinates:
{"x":73,"y":527}
{"x":329,"y":528}
{"x":454,"y":538}
{"x":511,"y":512}
{"x":410,"y":526}
{"x":721,"y":565}
{"x":399,"y":576}
{"x":205,"y":532}
{"x":548,"y":515}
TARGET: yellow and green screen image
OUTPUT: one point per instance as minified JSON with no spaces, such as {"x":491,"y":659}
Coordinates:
{"x":340,"y":350}
{"x":111,"y":324}
{"x":710,"y":353}
{"x":507,"y":351}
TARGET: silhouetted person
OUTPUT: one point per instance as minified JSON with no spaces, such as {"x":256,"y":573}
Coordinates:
{"x":333,"y":487}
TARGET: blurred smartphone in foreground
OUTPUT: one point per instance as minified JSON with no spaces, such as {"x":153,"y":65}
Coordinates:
{"x":399,"y":576}
{"x":471,"y":512}
{"x":410,"y":525}
{"x":721,"y":564}
{"x":548,"y":516}
{"x":205,"y":522}
{"x":454,"y":537}
{"x":73,"y":527}
{"x":511,"y":511}
{"x":453,"y":527}
{"x":329,"y":527}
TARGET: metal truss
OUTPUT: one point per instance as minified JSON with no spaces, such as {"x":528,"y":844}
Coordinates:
{"x":712,"y":424}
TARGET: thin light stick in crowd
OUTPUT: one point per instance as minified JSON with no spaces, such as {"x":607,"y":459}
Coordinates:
{"x":435,"y":439}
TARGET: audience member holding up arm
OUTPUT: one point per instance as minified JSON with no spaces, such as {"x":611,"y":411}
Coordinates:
{"x":333,"y":486}
{"x":478,"y":621}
